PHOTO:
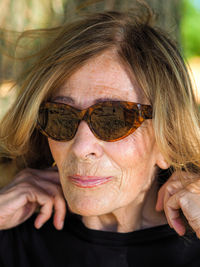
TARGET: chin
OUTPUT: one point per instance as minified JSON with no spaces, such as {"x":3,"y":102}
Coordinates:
{"x":88,"y":207}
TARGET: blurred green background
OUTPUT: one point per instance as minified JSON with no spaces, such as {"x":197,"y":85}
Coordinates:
{"x":190,"y":28}
{"x":181,"y":18}
{"x":190,"y":40}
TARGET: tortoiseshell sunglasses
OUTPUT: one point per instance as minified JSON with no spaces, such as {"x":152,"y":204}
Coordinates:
{"x":109,"y":121}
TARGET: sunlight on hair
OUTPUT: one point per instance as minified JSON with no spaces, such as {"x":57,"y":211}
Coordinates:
{"x":194,"y":71}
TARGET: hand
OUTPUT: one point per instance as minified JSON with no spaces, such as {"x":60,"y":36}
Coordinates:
{"x":29,"y":190}
{"x":173,"y":196}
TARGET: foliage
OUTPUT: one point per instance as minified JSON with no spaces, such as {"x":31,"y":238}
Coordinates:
{"x":190,"y":28}
{"x":20,"y":15}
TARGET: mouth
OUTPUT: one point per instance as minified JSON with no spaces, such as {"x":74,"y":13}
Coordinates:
{"x":88,"y":181}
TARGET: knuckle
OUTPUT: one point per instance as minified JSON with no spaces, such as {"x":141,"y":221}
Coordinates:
{"x":27,"y":187}
{"x":194,"y":187}
{"x":173,"y":187}
{"x":36,"y":179}
{"x":24,"y":174}
{"x":183,"y":201}
{"x":167,"y":204}
{"x":50,"y":200}
{"x":23,"y":185}
{"x":170,"y":187}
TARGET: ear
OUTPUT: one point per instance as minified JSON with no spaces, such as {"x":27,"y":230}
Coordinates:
{"x":161,"y":162}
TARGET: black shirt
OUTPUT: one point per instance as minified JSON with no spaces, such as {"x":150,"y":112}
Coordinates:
{"x":76,"y":246}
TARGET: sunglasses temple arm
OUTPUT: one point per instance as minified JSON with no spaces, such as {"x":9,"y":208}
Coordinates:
{"x":146,"y":113}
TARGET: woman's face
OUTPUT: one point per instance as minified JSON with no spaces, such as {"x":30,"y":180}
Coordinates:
{"x":99,"y":177}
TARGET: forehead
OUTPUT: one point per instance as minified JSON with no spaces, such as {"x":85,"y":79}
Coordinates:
{"x":102,"y":77}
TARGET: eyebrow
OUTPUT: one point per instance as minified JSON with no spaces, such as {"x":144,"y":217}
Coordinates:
{"x":70,"y":100}
{"x":103,"y":99}
{"x":66,"y":99}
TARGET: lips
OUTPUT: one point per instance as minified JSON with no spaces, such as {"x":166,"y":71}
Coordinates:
{"x":88,"y":181}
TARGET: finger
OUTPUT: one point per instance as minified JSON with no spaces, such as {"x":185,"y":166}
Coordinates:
{"x":45,"y":214}
{"x":172,"y":212}
{"x":45,"y":201}
{"x":30,"y":196}
{"x":182,"y":200}
{"x":167,"y":190}
{"x":59,"y":211}
{"x":58,"y":201}
{"x":161,"y":193}
{"x":27,"y":211}
{"x":165,"y":204}
{"x":46,"y":191}
{"x":190,"y":205}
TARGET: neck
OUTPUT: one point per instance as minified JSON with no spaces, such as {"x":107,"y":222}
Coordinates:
{"x":139,"y":214}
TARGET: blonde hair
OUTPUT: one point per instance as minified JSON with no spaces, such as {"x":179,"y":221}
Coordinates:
{"x":155,"y":63}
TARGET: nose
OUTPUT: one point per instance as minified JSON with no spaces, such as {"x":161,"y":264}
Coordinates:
{"x":85,"y":145}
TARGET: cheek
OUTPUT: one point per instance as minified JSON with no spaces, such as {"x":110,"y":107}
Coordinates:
{"x":58,"y":150}
{"x":135,"y":155}
{"x":132,"y":151}
{"x":137,"y":162}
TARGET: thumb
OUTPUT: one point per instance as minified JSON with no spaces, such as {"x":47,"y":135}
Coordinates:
{"x":172,"y":185}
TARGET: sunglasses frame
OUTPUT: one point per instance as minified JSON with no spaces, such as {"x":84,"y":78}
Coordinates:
{"x":144,"y":112}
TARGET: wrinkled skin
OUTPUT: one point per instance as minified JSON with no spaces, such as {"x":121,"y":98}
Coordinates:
{"x":118,"y":205}
{"x":127,"y":202}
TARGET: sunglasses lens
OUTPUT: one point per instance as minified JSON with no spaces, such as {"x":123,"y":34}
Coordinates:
{"x":59,"y":124}
{"x":112,"y":122}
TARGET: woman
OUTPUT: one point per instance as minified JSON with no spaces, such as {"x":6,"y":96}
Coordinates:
{"x":109,"y":100}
